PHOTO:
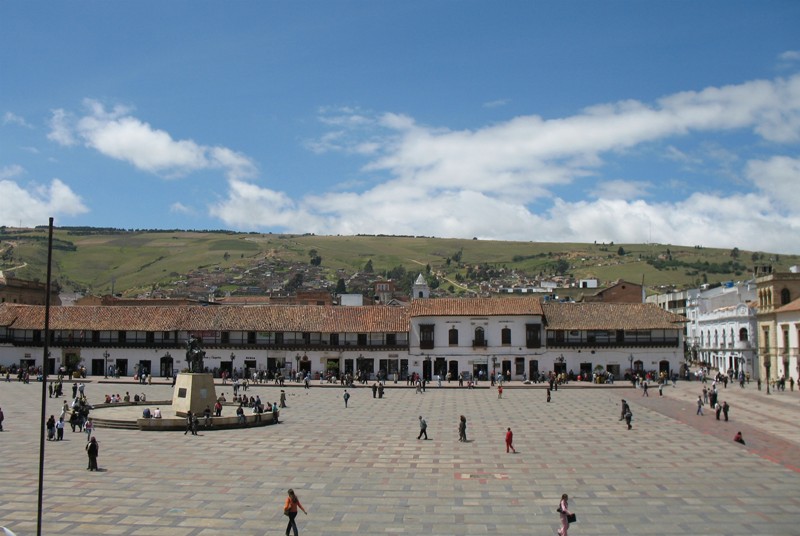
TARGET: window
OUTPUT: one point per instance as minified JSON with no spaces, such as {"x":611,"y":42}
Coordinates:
{"x":225,"y":337}
{"x":426,"y":336}
{"x":480,"y":337}
{"x":505,"y":337}
{"x":334,"y":339}
{"x":533,"y":336}
{"x":786,"y":296}
{"x":743,"y":334}
{"x":362,"y":339}
{"x":452,"y":337}
{"x":279,"y":338}
{"x":150,"y":337}
{"x":251,"y":337}
{"x":391,"y":339}
{"x":122,"y":337}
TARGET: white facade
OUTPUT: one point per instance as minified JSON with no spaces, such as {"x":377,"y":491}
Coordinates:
{"x":788,"y":342}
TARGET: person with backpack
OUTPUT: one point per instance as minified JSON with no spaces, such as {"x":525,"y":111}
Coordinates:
{"x":346,"y":397}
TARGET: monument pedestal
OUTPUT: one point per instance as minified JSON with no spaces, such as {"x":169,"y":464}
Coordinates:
{"x":194,"y":391}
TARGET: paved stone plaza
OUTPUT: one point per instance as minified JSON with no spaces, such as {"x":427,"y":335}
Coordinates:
{"x":362,"y":470}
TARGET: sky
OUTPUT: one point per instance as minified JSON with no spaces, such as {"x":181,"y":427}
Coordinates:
{"x":674,"y":122}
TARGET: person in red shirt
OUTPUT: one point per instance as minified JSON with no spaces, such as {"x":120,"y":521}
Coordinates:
{"x":510,"y":441}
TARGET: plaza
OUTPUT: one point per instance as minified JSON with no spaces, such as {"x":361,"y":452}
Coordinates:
{"x":361,"y":470}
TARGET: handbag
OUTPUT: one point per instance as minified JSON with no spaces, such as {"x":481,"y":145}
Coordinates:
{"x":571,"y":518}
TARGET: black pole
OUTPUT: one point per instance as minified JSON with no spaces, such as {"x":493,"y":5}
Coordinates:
{"x":45,"y":352}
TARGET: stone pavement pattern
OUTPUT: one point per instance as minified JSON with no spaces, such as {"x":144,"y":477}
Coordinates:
{"x":362,"y":470}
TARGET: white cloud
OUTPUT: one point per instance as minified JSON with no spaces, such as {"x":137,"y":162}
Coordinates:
{"x":496,"y":103}
{"x":34,"y":206}
{"x":10,"y":172}
{"x":60,"y":131}
{"x":778,"y":178}
{"x":483,"y":182}
{"x":180,"y":208}
{"x":790,"y":55}
{"x":10,"y":118}
{"x":619,"y":189}
{"x":117,"y":134}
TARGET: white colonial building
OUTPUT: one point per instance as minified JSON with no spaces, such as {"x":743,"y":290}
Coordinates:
{"x":521,"y":336}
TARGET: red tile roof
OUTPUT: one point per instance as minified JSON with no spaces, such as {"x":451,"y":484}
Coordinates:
{"x":609,"y":316}
{"x":475,"y":306}
{"x":299,"y":318}
{"x":789,"y":307}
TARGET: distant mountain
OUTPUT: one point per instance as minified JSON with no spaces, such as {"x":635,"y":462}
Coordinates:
{"x":175,"y":262}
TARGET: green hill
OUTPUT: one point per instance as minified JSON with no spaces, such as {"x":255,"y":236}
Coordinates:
{"x":134,"y":261}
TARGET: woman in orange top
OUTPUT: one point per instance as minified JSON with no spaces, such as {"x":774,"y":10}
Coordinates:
{"x":290,"y":509}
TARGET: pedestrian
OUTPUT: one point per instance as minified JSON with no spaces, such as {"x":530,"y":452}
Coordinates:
{"x":423,"y":428}
{"x":380,"y":390}
{"x":346,"y":397}
{"x":92,"y":449}
{"x":88,"y":427}
{"x":548,"y":394}
{"x":661,"y":388}
{"x":60,"y":429}
{"x":699,"y":405}
{"x":717,"y":410}
{"x":188,"y":423}
{"x":374,"y":390}
{"x":500,"y":391}
{"x":290,"y":509}
{"x":462,"y":429}
{"x":644,"y":389}
{"x":51,"y":428}
{"x":738,"y":438}
{"x":283,"y":398}
{"x":725,"y":408}
{"x":2,"y":417}
{"x":628,"y":416}
{"x":563,"y":510}
{"x":510,"y":441}
{"x":625,"y":409}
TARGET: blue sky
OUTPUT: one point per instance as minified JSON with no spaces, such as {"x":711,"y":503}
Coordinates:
{"x":672,"y":122}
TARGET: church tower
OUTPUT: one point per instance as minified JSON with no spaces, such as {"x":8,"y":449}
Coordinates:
{"x":420,"y":289}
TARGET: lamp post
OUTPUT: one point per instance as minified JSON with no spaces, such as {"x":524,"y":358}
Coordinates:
{"x":767,"y":366}
{"x":494,"y":367}
{"x":631,"y":367}
{"x":233,"y":368}
{"x":106,"y":356}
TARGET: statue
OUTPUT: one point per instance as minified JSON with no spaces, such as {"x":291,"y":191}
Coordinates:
{"x":194,"y":354}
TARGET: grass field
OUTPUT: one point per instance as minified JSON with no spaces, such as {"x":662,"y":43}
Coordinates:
{"x":91,"y":260}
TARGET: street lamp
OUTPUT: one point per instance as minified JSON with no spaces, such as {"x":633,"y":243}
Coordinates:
{"x":767,"y":366}
{"x":631,"y":367}
{"x":106,"y":356}
{"x":494,"y":367}
{"x":233,"y":368}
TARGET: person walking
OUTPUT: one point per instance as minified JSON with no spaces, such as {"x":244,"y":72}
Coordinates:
{"x":283,"y":398}
{"x":51,"y":428}
{"x":92,"y":449}
{"x":462,"y":429}
{"x":2,"y":417}
{"x":699,"y":405}
{"x":60,"y":429}
{"x":725,"y":408}
{"x":625,"y":409}
{"x":290,"y":509}
{"x":644,"y":389}
{"x":628,"y":416}
{"x":563,"y":510}
{"x":88,"y":427}
{"x":548,"y":394}
{"x":346,"y":397}
{"x":423,"y":428}
{"x":188,"y":423}
{"x":510,"y":441}
{"x":500,"y":391}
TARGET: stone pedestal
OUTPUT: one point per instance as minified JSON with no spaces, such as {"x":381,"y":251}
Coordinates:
{"x":193,"y":392}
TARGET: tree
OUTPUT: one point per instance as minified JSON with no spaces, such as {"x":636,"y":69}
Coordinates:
{"x":735,"y":253}
{"x":340,"y":287}
{"x":368,"y":267}
{"x":621,"y":251}
{"x":561,"y":266}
